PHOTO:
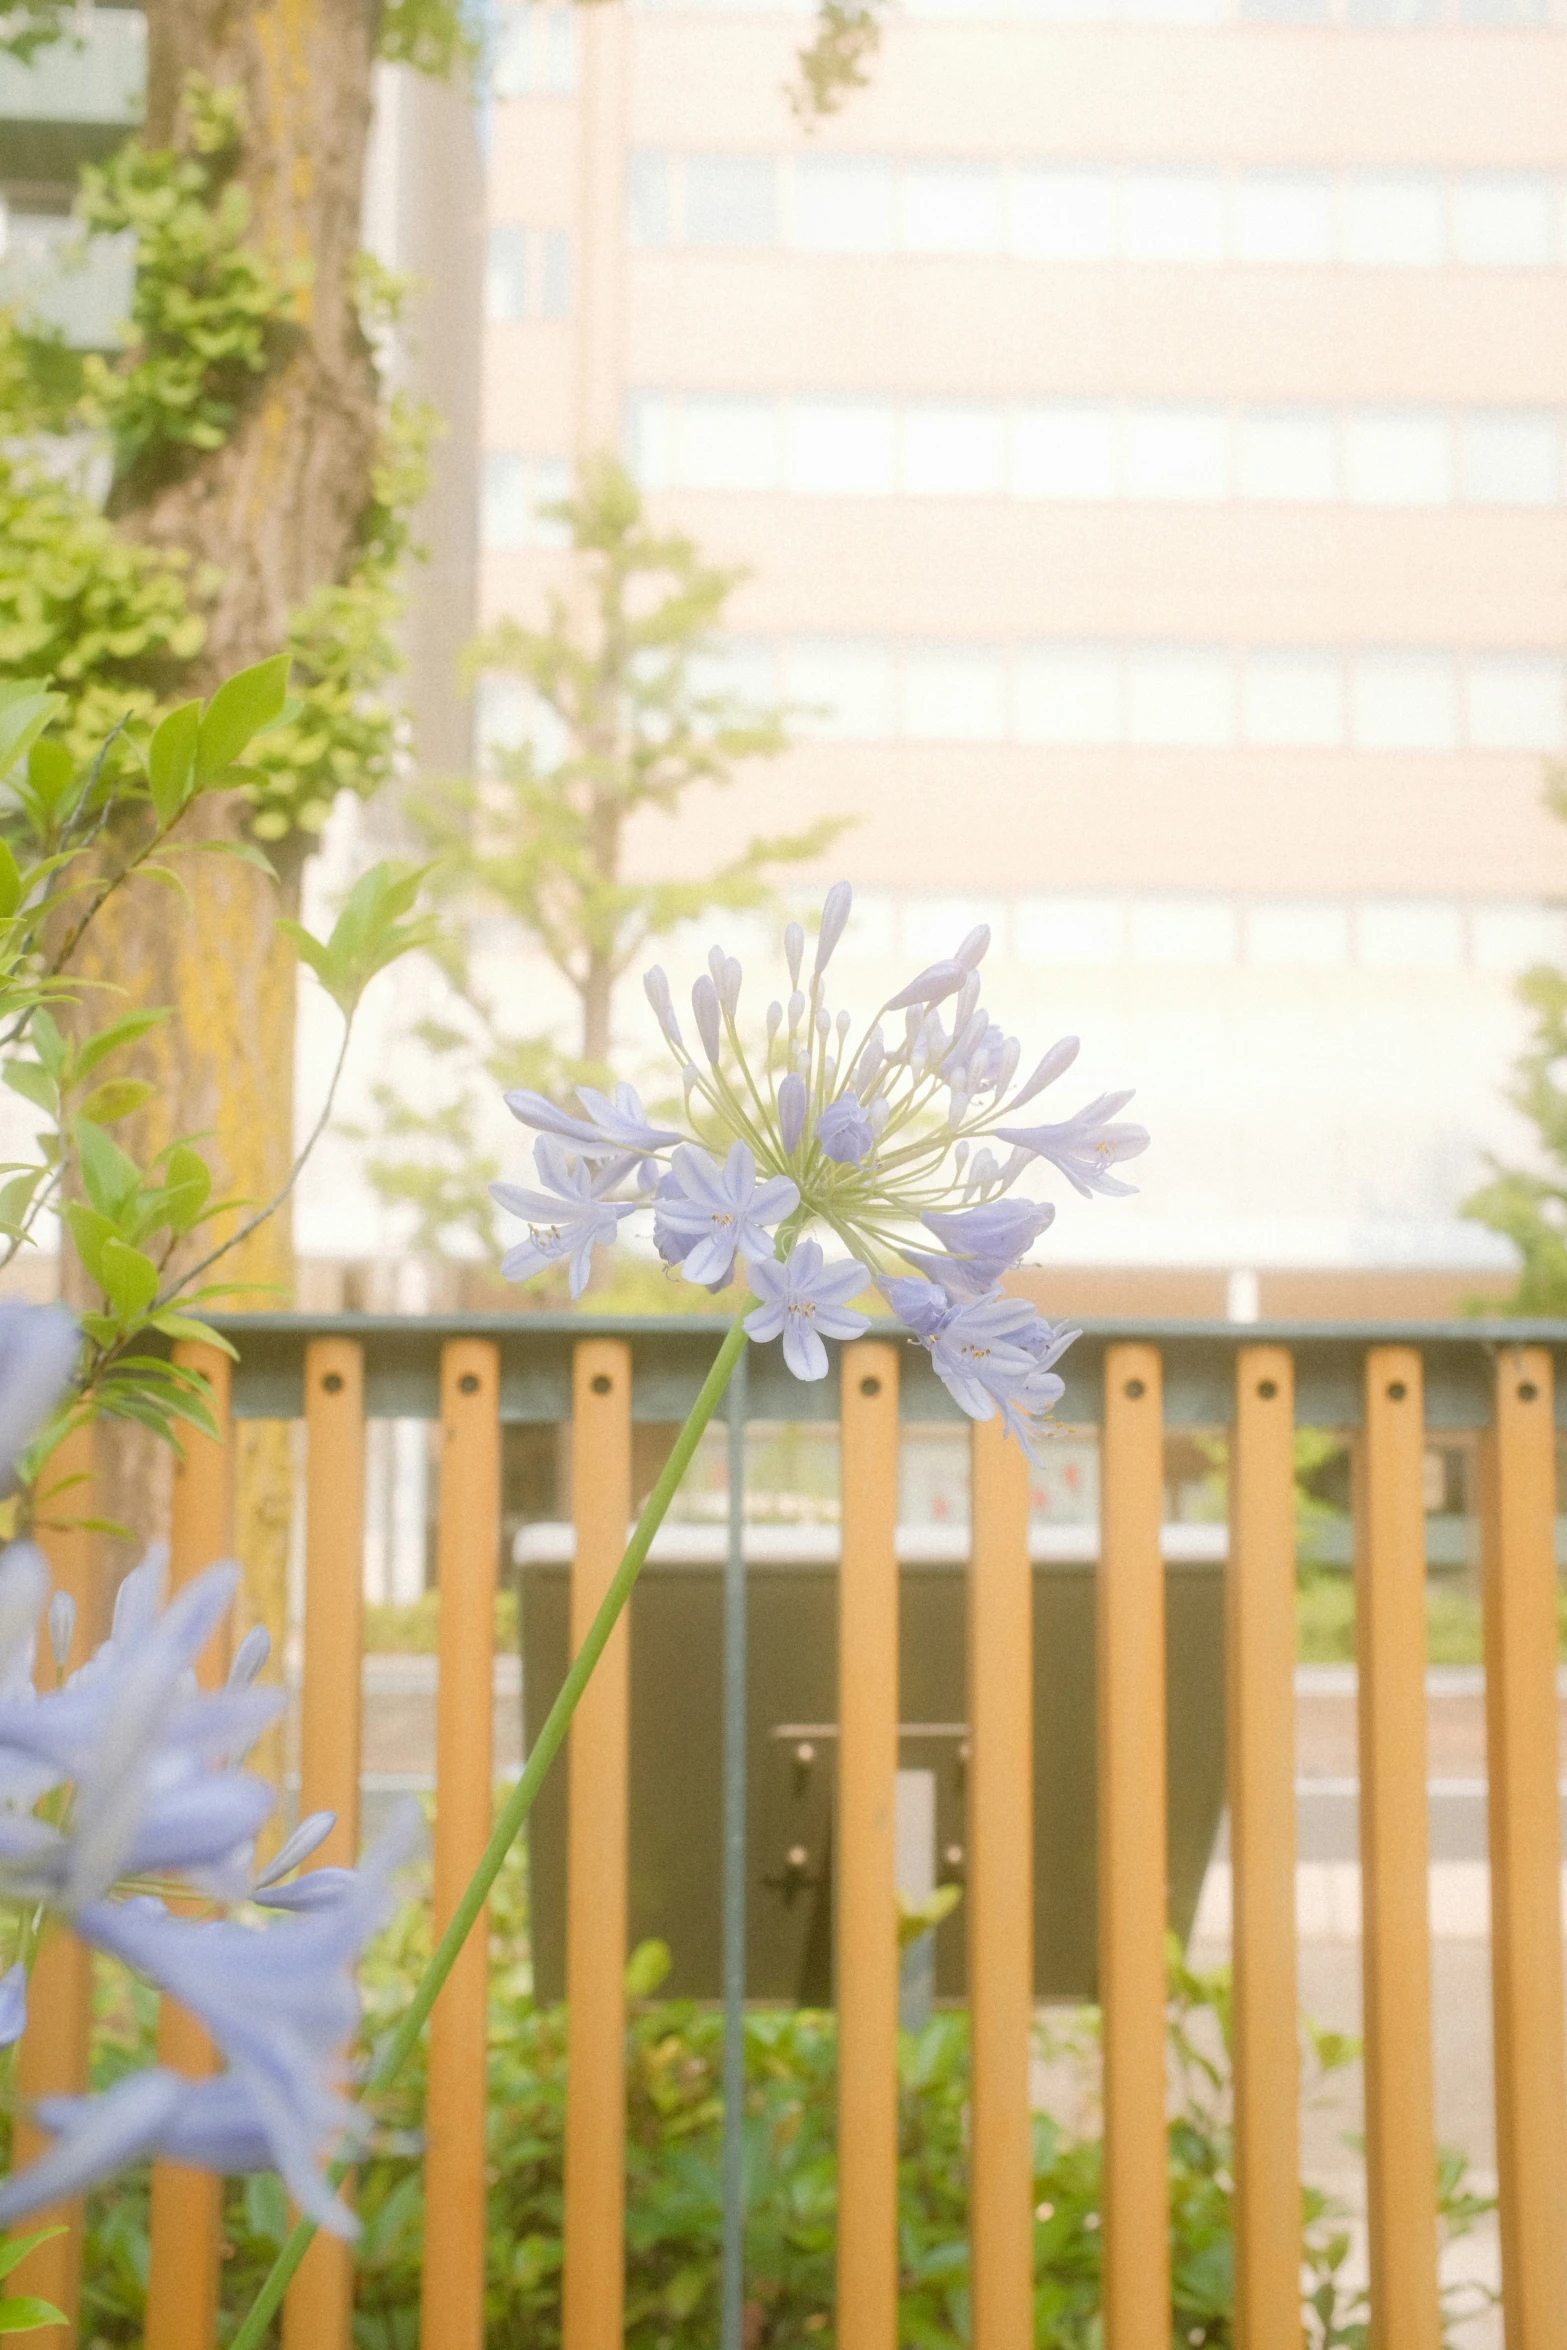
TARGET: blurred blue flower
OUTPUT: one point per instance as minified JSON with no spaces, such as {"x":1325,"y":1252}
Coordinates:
{"x":611,"y":1125}
{"x":38,"y":1350}
{"x":1086,"y":1147}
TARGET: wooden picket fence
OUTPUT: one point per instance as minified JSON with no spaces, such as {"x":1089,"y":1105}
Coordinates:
{"x":1388,"y":1384}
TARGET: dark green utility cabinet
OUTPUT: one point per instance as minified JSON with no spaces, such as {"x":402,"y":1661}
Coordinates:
{"x":676,"y":1748}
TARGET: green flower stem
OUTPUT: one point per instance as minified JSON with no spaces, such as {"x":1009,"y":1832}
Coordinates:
{"x":516,"y":1809}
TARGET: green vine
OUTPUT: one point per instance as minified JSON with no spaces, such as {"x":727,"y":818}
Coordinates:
{"x":118,"y":622}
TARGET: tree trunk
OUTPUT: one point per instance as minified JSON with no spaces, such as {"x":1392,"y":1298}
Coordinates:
{"x":276,"y":511}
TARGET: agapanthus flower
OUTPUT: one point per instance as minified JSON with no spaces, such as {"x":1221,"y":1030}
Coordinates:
{"x":884,"y":1137}
{"x":38,"y":1350}
{"x":805,"y":1300}
{"x":567,"y":1218}
{"x":708,"y":1215}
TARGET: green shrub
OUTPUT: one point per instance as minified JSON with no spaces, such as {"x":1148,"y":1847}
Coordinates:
{"x":672,"y":2197}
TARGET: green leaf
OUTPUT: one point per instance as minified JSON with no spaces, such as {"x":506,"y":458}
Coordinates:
{"x":117,"y":1097}
{"x":48,"y":1043}
{"x":18,"y":2247}
{"x":245,"y":850}
{"x":186,"y":1326}
{"x":15,"y":1199}
{"x":10,"y":882}
{"x":237,"y":711}
{"x":108,"y":1040}
{"x":171,"y":761}
{"x":26,"y":709}
{"x":92,"y":1234}
{"x":187,"y":1187}
{"x":129,"y":1279}
{"x":23,"y":2313}
{"x":34,"y":1085}
{"x":368,"y":934}
{"x":51,"y":771}
{"x":111,"y":1180}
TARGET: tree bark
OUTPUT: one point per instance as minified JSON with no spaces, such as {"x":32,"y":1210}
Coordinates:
{"x":276,"y":511}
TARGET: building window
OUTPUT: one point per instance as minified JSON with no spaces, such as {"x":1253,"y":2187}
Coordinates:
{"x":1510,"y":938}
{"x":1503,"y":221}
{"x":952,"y":451}
{"x":1409,"y":934}
{"x":1063,"y":216}
{"x":535,"y":53}
{"x":1070,"y":930}
{"x":1398,"y":458}
{"x":1176,"y":453}
{"x":1288,"y":456}
{"x":841,"y":448}
{"x":1063,"y":453}
{"x":736,"y":669}
{"x":731,"y":200}
{"x":727,"y":445}
{"x":1283,"y":217}
{"x":555,"y":274}
{"x":1179,"y":695}
{"x":843,"y":205}
{"x":1184,"y":930}
{"x":1392,"y":222}
{"x":841,"y":690}
{"x":509,"y":717}
{"x":1404,"y":702}
{"x":1172,"y":216}
{"x":513,"y":488}
{"x":1517,"y":702}
{"x":954,"y":693}
{"x":1293,"y":700}
{"x":505,"y":502}
{"x":648,"y":216}
{"x":951,"y":208}
{"x":1297,"y":934}
{"x":506,"y":274}
{"x":1511,"y":458}
{"x":1068,"y":694}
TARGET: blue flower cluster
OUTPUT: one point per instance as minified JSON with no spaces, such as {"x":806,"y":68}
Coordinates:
{"x":886,"y":1143}
{"x":121,"y":1786}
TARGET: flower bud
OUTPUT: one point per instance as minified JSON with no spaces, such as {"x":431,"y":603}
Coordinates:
{"x":835,"y":913}
{"x":704,"y":1003}
{"x":62,"y":1624}
{"x":774,"y":1019}
{"x":975,"y":947}
{"x":968,"y":997}
{"x":791,"y":1112}
{"x":657,"y":989}
{"x":878,"y":1112}
{"x":1055,"y":1063}
{"x":250,"y":1656}
{"x":794,"y":948}
{"x":796,"y":1010}
{"x":729,"y":986}
{"x":824,"y":1022}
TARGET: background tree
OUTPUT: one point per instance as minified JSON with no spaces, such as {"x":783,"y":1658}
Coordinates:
{"x":1528,"y":1206}
{"x":626,"y":727}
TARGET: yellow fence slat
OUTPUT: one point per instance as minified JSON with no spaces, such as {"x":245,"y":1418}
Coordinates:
{"x":596,"y":1826}
{"x":1524,"y":1814}
{"x":1390,"y":1577}
{"x":318,"y":2310}
{"x":1132,"y":1864}
{"x":52,"y":2057}
{"x":1000,"y":1893}
{"x":186,"y":2225}
{"x":865,"y":1900}
{"x":1260,"y":1741}
{"x":452,"y":2284}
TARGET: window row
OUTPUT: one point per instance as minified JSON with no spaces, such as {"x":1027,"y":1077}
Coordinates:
{"x":527,"y":273}
{"x":1082,"y":695}
{"x":1273,"y":933}
{"x":1097,"y":449}
{"x":1060,"y":212}
{"x":1163,"y":696}
{"x":1353,"y":15}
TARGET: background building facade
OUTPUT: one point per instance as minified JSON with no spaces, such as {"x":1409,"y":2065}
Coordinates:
{"x":1145,"y":434}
